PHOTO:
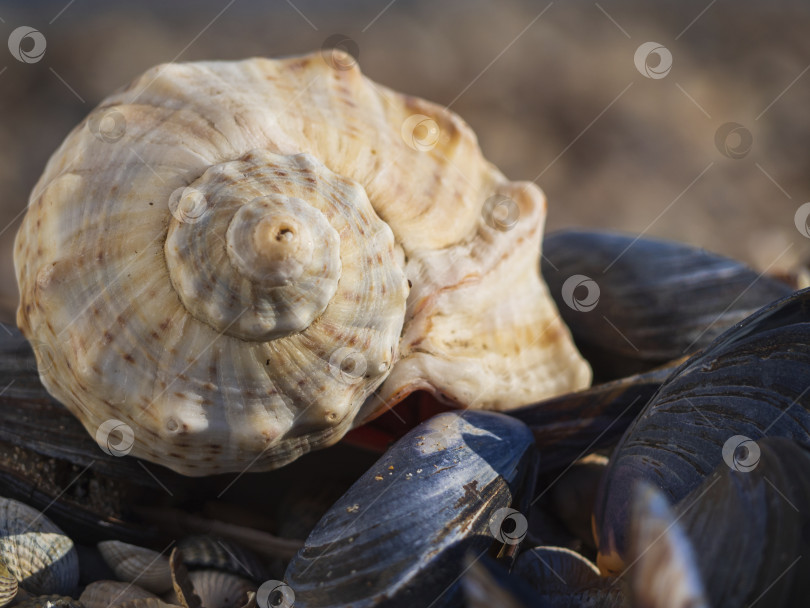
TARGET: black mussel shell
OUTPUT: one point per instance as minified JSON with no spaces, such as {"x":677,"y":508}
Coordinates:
{"x":646,"y":301}
{"x":750,"y":528}
{"x":398,"y":537}
{"x":752,"y":382}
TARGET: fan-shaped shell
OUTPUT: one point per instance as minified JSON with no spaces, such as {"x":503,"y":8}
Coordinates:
{"x":148,"y":569}
{"x":104,"y":594}
{"x":8,"y":584}
{"x":36,"y":552}
{"x":206,"y":552}
{"x":218,"y":589}
{"x":230,"y":258}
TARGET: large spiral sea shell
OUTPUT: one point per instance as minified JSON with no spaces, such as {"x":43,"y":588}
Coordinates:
{"x":240,"y":261}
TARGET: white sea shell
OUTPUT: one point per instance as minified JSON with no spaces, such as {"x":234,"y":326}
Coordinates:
{"x":243,"y":260}
{"x":146,"y":568}
{"x":36,"y":552}
{"x":105,"y":594}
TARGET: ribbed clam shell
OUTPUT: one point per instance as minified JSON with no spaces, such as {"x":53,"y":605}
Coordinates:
{"x":37,"y":553}
{"x":144,"y":567}
{"x":219,"y":589}
{"x":8,"y":584}
{"x":210,"y":552}
{"x":259,"y":246}
{"x":402,"y":530}
{"x":145,"y":603}
{"x":104,"y":594}
{"x":750,"y":382}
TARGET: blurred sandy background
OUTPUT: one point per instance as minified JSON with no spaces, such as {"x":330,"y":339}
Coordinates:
{"x":550,"y":88}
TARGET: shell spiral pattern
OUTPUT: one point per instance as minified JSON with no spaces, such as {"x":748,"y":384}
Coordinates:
{"x":241,"y":261}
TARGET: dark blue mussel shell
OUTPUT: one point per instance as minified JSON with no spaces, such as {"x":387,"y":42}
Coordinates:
{"x":752,"y":382}
{"x":398,"y":537}
{"x":657,"y":300}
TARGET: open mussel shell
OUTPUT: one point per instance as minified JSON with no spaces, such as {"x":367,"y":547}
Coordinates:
{"x":753,"y":381}
{"x":399,"y":535}
{"x":663,"y":569}
{"x":750,"y":529}
{"x":35,"y":551}
{"x":645,"y":301}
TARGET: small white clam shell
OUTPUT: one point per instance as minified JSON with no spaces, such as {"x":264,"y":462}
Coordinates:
{"x":37,"y":553}
{"x":144,"y":567}
{"x":105,"y":594}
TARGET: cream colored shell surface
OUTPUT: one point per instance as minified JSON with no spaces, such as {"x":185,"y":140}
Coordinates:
{"x":240,"y":261}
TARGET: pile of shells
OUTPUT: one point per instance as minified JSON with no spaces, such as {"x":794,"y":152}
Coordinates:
{"x":254,"y":261}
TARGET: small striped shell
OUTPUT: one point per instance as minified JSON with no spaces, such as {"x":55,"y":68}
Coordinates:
{"x":241,"y":261}
{"x":8,"y":584}
{"x":145,"y":567}
{"x":218,"y":589}
{"x":210,"y":552}
{"x":36,"y":552}
{"x":105,"y":594}
{"x":145,"y":603}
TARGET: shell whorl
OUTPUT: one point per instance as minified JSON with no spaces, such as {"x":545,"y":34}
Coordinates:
{"x":254,"y":247}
